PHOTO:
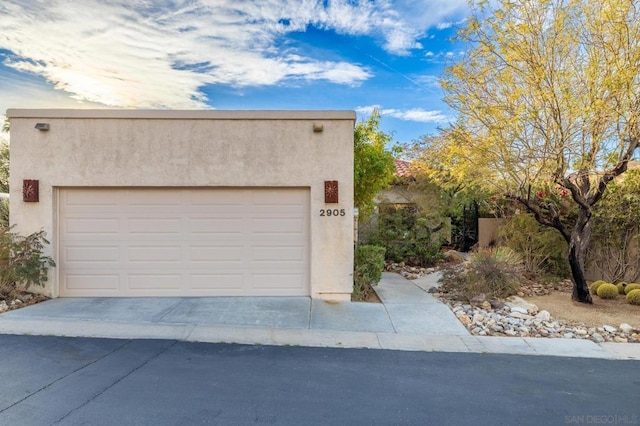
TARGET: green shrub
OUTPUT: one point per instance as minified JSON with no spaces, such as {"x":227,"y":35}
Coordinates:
{"x":607,"y":291}
{"x":4,"y":213}
{"x":369,"y":263}
{"x":543,"y":250}
{"x":633,"y":297}
{"x":621,"y":287}
{"x":594,"y":286}
{"x":407,"y":236}
{"x":632,"y":286}
{"x":21,"y":259}
{"x":493,"y":272}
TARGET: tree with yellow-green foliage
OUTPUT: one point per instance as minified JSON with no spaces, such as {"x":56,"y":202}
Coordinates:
{"x":438,"y":170}
{"x":548,"y":102}
{"x":373,"y":164}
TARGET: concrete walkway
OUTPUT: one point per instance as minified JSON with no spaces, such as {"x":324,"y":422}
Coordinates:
{"x":408,"y":318}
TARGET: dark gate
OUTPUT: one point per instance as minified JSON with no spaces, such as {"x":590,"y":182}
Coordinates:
{"x":469,"y":231}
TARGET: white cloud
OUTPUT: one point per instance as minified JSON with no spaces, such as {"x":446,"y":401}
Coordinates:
{"x":21,"y":92}
{"x":139,"y":53}
{"x":444,"y":57}
{"x":448,"y":24}
{"x":415,"y":114}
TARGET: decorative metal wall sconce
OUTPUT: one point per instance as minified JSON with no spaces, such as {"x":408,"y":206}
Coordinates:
{"x":30,"y":191}
{"x":331,"y":191}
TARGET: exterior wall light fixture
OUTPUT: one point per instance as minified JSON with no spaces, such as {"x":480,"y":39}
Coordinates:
{"x":30,"y":191}
{"x":43,"y":127}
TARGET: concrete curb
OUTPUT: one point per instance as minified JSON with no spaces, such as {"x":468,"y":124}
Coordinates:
{"x":323,"y":338}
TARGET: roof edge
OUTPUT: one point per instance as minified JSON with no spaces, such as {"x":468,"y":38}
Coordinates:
{"x":184,"y":114}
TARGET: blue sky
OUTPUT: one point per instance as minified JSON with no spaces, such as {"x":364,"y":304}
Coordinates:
{"x":233,"y":54}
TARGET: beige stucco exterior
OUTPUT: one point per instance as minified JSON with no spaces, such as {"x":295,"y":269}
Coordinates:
{"x":488,"y":230}
{"x":135,"y":148}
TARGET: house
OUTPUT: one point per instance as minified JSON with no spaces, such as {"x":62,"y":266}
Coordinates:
{"x":400,"y":190}
{"x":404,"y":194}
{"x":187,"y":203}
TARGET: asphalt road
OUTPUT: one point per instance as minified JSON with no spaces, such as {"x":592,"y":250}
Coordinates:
{"x":79,"y":381}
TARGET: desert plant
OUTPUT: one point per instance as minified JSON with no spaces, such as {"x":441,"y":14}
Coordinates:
{"x":543,"y":250}
{"x":594,"y":286}
{"x":633,"y":297}
{"x":631,"y":287}
{"x":369,"y":263}
{"x":21,"y":259}
{"x":621,"y":287}
{"x":607,"y":291}
{"x":493,"y":272}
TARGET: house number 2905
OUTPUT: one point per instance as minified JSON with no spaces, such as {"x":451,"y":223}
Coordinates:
{"x":332,"y":212}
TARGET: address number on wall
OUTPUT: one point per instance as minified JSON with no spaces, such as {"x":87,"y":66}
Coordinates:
{"x":332,"y":212}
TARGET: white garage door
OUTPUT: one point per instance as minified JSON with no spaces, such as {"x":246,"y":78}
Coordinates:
{"x":184,"y":242}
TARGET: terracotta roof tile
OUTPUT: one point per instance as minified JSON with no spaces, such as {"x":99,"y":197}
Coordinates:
{"x":403,"y":169}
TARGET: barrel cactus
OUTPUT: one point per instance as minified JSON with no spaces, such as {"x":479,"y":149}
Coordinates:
{"x":594,"y":286}
{"x":621,"y":287}
{"x":630,"y":287}
{"x":633,"y":297}
{"x":607,"y":291}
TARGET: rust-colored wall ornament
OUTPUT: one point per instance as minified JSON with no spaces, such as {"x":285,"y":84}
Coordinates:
{"x":331,"y":191}
{"x":30,"y":191}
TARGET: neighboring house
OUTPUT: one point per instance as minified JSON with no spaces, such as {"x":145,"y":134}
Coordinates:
{"x":188,"y":203}
{"x":401,"y":194}
{"x":400,"y":191}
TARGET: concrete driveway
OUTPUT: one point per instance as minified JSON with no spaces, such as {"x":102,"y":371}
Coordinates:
{"x":408,"y":318}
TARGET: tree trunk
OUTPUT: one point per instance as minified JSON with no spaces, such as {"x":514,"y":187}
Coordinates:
{"x":577,"y":251}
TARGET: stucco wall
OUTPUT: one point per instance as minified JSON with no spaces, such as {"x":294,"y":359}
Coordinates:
{"x":119,"y":148}
{"x":488,"y":229}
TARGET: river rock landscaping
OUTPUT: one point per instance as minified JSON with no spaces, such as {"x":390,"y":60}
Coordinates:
{"x":514,"y":321}
{"x":12,"y":298}
{"x":515,"y":317}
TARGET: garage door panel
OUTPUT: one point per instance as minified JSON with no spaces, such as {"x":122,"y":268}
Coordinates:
{"x":278,"y":253}
{"x":93,"y":282}
{"x":152,"y":198}
{"x":222,"y":225}
{"x":88,"y":197}
{"x":155,"y":226}
{"x":91,"y":226}
{"x":278,"y":226}
{"x":217,"y":283}
{"x":155,"y":282}
{"x":217,"y":254}
{"x":279,"y":281}
{"x":91,"y":255}
{"x":146,"y":254}
{"x":184,"y":242}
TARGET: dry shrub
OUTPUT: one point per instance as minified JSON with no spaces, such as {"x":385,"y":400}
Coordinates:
{"x":493,"y":272}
